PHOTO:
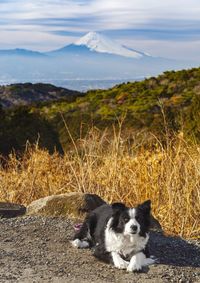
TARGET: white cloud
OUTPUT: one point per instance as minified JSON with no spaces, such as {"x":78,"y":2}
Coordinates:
{"x":28,"y":23}
{"x":37,"y":41}
{"x":129,"y":10}
{"x":188,"y":50}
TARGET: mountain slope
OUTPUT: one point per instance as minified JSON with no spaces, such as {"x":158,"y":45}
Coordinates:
{"x":21,"y":52}
{"x":24,"y":94}
{"x":177,"y":94}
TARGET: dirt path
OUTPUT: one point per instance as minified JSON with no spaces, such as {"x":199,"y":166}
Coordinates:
{"x":37,"y":249}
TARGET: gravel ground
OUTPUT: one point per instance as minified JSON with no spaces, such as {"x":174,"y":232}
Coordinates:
{"x":37,"y":249}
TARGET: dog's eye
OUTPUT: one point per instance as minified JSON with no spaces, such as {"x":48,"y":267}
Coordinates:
{"x":126,"y":219}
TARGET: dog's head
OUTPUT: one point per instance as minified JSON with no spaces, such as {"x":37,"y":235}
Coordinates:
{"x":131,"y":221}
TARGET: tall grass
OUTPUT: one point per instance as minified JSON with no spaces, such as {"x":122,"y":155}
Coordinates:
{"x":109,"y":166}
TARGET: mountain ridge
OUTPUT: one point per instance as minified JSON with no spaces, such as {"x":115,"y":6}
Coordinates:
{"x":21,"y":52}
{"x":23,"y":94}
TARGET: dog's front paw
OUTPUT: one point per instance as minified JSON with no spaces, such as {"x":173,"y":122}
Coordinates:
{"x":122,"y":264}
{"x":119,"y":262}
{"x":134,"y":267}
{"x":136,"y":262}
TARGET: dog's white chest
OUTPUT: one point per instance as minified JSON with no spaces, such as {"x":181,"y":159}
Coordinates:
{"x":124,"y":245}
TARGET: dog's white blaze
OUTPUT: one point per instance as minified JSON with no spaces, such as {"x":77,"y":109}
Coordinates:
{"x":132,"y":221}
{"x":121,"y":243}
{"x":132,"y":212}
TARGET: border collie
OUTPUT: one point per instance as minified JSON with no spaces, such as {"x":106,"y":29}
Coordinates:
{"x":118,"y":234}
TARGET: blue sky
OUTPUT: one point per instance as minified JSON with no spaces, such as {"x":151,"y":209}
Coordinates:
{"x":162,"y":28}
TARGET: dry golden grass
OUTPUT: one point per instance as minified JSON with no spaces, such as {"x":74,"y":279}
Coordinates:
{"x":116,"y":171}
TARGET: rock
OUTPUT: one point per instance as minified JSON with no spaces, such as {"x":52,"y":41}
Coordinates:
{"x":8,"y":210}
{"x":73,"y":205}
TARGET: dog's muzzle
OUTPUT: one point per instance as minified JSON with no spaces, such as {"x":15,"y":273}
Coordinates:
{"x":134,"y":229}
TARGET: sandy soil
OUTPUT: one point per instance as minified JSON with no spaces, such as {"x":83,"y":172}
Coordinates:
{"x":37,"y":249}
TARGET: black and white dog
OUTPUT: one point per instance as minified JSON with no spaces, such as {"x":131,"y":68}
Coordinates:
{"x":118,"y":234}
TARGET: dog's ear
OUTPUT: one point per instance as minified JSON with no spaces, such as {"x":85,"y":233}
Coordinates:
{"x":117,"y":206}
{"x":145,"y":207}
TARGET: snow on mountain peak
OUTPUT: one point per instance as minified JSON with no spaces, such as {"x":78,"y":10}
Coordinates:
{"x":100,"y":43}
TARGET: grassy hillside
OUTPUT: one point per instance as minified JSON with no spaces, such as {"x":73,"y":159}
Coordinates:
{"x":169,"y":102}
{"x":162,"y":105}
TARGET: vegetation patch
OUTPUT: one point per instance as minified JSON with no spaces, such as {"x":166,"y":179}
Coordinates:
{"x":116,"y":171}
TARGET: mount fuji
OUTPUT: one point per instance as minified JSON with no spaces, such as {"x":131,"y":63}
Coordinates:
{"x":92,"y":57}
{"x":96,"y":42}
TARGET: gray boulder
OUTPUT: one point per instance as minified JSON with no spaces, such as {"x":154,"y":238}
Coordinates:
{"x":73,"y":205}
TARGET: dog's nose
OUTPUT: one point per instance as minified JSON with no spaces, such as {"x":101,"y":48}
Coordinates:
{"x":134,"y":228}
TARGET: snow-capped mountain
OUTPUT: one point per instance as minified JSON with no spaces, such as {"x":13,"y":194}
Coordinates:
{"x":100,"y":43}
{"x":94,"y":42}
